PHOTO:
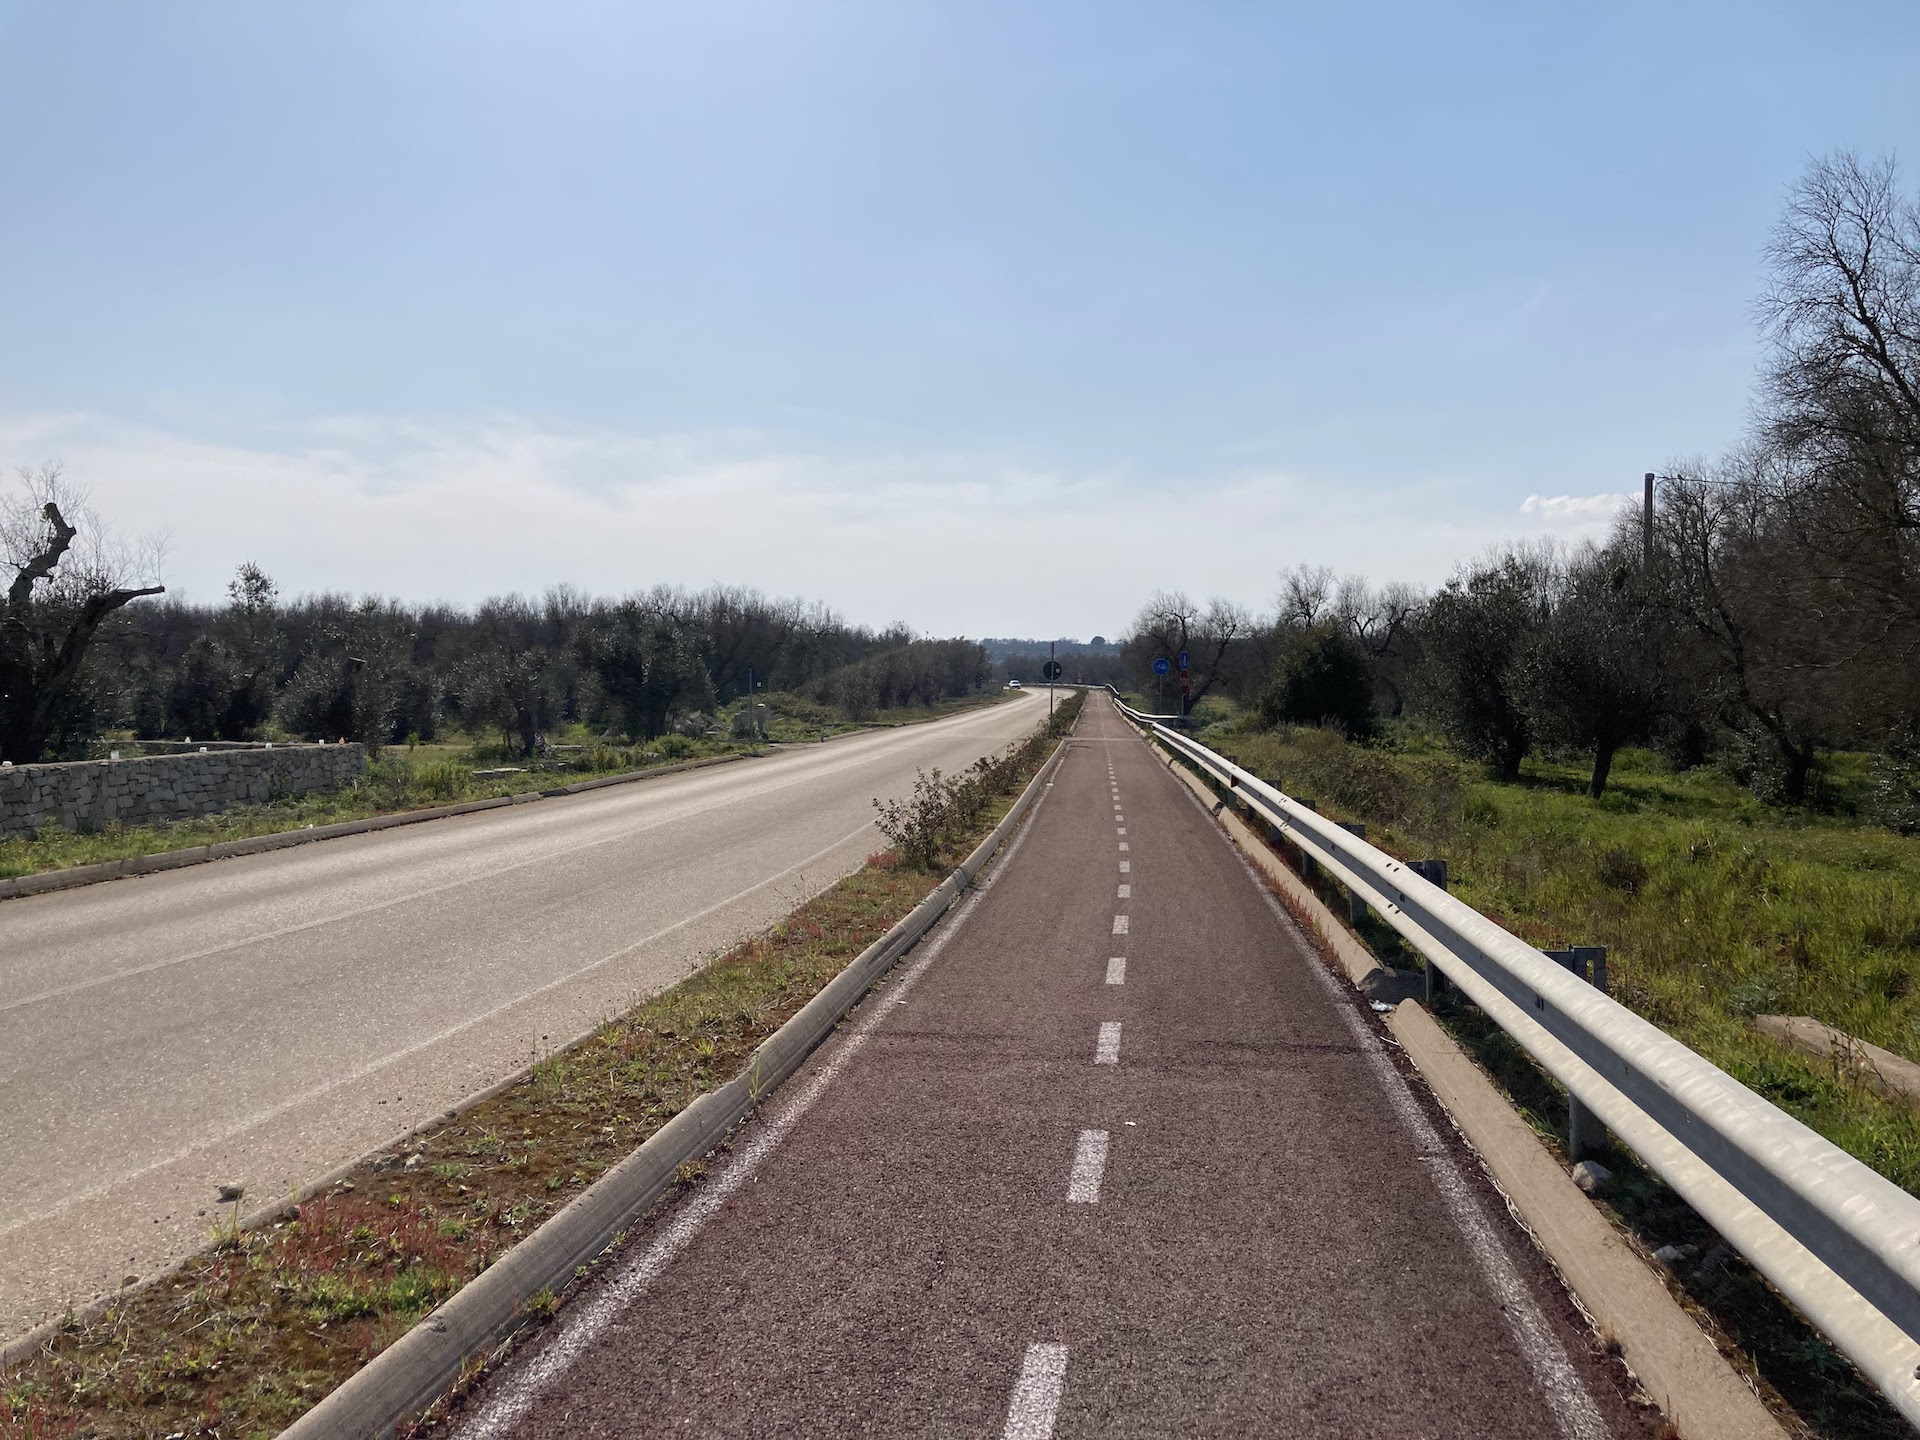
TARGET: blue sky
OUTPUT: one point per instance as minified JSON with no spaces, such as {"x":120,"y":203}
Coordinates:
{"x":984,"y":317}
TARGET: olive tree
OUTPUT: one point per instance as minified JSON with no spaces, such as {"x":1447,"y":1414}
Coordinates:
{"x":68,"y":577}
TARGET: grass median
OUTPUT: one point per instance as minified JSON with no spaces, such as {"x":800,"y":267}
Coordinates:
{"x":247,"y":1336}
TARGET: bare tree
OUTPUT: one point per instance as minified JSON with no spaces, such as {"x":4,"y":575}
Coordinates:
{"x":68,"y":577}
{"x":1307,"y":596}
{"x":1728,"y":572}
{"x":1842,"y":319}
{"x":1171,"y":624}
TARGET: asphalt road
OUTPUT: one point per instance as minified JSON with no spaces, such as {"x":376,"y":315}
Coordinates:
{"x":261,"y":1021}
{"x":1111,"y":1156}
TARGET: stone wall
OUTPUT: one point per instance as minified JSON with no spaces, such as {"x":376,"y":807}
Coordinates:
{"x":87,"y":794}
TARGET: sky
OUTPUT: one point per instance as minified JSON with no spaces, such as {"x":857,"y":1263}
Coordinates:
{"x":988,"y":318}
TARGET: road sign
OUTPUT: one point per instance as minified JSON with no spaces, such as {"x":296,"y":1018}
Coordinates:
{"x":1183,"y":659}
{"x":1051,"y":670}
{"x":1161,"y":666}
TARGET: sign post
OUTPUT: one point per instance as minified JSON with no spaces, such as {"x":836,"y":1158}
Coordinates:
{"x":1161,"y":665}
{"x":1183,"y":683}
{"x":1052,"y":671}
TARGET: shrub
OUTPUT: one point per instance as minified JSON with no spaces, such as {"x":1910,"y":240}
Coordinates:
{"x":917,"y":826}
{"x":442,"y":780}
{"x":1323,"y":677}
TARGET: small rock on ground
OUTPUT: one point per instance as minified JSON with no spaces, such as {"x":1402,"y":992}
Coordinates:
{"x":1591,"y":1176}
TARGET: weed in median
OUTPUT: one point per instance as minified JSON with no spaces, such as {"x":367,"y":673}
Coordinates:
{"x":931,"y":826}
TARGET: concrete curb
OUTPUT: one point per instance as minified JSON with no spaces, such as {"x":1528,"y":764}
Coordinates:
{"x":49,"y":880}
{"x":1882,"y":1071}
{"x":1675,"y":1362}
{"x":474,"y":1323}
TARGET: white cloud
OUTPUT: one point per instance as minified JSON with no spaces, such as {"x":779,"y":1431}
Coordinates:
{"x":950,"y":543}
{"x":1574,"y":509}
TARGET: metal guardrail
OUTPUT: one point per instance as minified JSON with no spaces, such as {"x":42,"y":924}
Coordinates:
{"x":1836,"y":1238}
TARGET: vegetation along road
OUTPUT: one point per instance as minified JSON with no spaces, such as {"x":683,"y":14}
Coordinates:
{"x":260,"y":1022}
{"x":1111,"y":1155}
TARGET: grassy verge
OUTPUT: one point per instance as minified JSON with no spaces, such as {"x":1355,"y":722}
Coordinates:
{"x":253,"y":1332}
{"x":418,"y":777}
{"x":1713,"y":909}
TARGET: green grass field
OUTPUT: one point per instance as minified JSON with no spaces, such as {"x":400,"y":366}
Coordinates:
{"x":1714,"y":908}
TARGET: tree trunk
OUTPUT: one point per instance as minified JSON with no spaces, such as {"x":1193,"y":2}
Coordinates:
{"x":1799,"y":766}
{"x":1603,"y":754}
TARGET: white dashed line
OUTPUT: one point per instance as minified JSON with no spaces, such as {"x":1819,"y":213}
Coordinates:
{"x":1126,"y":866}
{"x":1117,"y":970}
{"x":1126,"y":892}
{"x":1119,"y":924}
{"x":1036,"y":1394}
{"x":1089,"y":1165}
{"x":1106,"y":1050}
{"x":1120,"y":831}
{"x":1123,"y":844}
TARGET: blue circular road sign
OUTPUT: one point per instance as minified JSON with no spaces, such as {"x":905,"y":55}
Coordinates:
{"x":1160,"y":666}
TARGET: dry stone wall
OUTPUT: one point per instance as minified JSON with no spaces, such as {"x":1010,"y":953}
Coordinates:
{"x":89,"y":794}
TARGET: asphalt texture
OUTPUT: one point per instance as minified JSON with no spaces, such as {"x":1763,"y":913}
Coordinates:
{"x":262,"y":1021}
{"x":984,"y":1210}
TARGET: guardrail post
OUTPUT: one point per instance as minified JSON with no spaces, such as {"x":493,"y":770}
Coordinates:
{"x":1585,"y":1133}
{"x":1356,"y":907}
{"x":1307,"y":867}
{"x":1434,"y":872}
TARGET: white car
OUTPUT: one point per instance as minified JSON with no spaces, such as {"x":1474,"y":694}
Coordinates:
{"x":1013,"y":684}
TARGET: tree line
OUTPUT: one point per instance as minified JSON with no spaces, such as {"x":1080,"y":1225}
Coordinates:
{"x":1768,"y":615}
{"x":89,"y":643}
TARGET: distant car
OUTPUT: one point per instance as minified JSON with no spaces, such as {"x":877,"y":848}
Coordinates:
{"x":1013,"y":684}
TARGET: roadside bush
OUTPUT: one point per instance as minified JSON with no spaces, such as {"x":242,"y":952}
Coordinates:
{"x":946,"y":809}
{"x":918,"y":825}
{"x":441,"y":780}
{"x":1323,"y":677}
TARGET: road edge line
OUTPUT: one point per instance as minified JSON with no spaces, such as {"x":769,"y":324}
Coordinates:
{"x":1675,"y":1361}
{"x":471,"y":1325}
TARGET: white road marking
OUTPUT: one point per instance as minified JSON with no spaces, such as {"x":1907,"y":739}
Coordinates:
{"x":1089,"y":1166}
{"x":1106,"y":1050}
{"x":1126,"y":892}
{"x":1125,"y":866}
{"x":1117,"y":970}
{"x":1120,"y":832}
{"x":1123,"y":844}
{"x":1119,"y":924}
{"x":477,"y":878}
{"x":360,"y":1072}
{"x":1036,"y":1394}
{"x":578,"y":1328}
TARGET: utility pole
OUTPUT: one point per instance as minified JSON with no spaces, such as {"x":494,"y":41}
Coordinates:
{"x":1646,"y":525}
{"x":1051,"y":672}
